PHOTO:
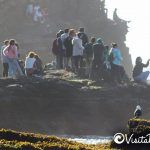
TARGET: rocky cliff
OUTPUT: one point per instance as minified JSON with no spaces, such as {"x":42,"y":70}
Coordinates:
{"x":63,"y":105}
{"x":62,"y":13}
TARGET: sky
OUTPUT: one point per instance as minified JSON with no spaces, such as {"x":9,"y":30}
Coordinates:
{"x":138,"y":12}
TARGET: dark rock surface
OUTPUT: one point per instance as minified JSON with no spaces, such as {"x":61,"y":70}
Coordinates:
{"x":59,"y":104}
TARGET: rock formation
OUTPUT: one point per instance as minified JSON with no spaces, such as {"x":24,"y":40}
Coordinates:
{"x":62,"y":13}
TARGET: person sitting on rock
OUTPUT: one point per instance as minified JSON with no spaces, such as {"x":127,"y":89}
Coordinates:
{"x":38,"y":16}
{"x":138,"y":74}
{"x":138,"y":111}
{"x":38,"y":63}
{"x":30,"y":9}
{"x":30,"y":65}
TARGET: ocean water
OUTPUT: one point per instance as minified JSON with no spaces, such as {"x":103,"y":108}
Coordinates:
{"x":90,"y":139}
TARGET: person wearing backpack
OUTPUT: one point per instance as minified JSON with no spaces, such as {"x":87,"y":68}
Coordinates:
{"x":11,"y":53}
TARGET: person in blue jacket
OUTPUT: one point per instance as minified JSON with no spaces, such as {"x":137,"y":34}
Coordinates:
{"x":116,"y":63}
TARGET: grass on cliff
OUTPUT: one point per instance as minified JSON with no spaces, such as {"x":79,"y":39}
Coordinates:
{"x":12,"y":140}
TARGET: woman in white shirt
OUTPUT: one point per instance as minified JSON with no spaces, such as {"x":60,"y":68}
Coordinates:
{"x":30,"y":66}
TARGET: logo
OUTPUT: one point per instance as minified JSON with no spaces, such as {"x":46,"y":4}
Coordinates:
{"x":120,"y":138}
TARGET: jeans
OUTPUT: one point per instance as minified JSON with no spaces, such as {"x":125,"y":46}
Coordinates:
{"x":77,"y":62}
{"x":142,"y":77}
{"x":13,"y":67}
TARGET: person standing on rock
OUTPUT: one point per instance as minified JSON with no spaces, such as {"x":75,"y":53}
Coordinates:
{"x":11,"y":53}
{"x":116,"y":63}
{"x":69,"y":49}
{"x":63,"y":38}
{"x":77,"y":51}
{"x":97,"y":62}
{"x":60,"y":48}
{"x":57,"y":50}
{"x":88,"y":54}
{"x":138,"y":74}
{"x":4,"y":59}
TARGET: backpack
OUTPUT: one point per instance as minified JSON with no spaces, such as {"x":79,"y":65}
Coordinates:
{"x":55,"y":47}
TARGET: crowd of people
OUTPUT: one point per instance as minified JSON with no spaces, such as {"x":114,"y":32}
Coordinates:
{"x":74,"y":51}
{"x":13,"y":66}
{"x":35,"y":12}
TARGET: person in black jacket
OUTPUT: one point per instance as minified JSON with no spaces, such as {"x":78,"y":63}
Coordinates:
{"x":69,"y":48}
{"x":88,"y":54}
{"x":97,"y":63}
{"x":138,"y":74}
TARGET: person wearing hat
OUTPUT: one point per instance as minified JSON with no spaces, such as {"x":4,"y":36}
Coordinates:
{"x":138,"y":74}
{"x":97,"y":62}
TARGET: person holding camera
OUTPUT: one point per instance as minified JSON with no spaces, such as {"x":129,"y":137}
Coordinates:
{"x":138,"y":74}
